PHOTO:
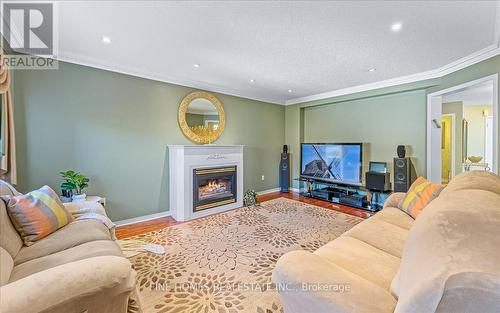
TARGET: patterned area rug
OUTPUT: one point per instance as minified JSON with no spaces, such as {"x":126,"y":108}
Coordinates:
{"x":223,"y":263}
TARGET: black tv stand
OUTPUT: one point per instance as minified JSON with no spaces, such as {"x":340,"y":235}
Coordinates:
{"x":354,"y":196}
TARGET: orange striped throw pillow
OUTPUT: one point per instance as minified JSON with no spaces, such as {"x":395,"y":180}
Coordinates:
{"x":421,"y":193}
{"x":37,"y":214}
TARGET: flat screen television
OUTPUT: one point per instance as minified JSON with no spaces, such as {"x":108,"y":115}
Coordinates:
{"x":332,"y":162}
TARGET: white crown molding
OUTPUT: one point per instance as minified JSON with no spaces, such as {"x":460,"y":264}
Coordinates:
{"x":457,"y":65}
{"x":471,"y":59}
{"x":90,"y":62}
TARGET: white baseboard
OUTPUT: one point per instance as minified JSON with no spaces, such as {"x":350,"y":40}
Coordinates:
{"x":142,"y":218}
{"x":149,"y":217}
{"x":296,"y":190}
{"x":263,"y":192}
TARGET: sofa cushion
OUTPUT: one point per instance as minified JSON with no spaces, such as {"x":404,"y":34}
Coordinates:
{"x":380,"y":234}
{"x":455,"y":238}
{"x":9,"y":238}
{"x":37,"y":214}
{"x":71,"y":235}
{"x":395,"y":285}
{"x":395,"y":216}
{"x":481,"y":180}
{"x":6,"y":266}
{"x":394,"y":200}
{"x":83,"y":251}
{"x":361,"y":259}
{"x":298,"y":269}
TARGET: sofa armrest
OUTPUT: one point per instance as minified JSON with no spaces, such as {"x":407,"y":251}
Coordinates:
{"x":73,"y":287}
{"x":81,"y":207}
{"x":300,"y":274}
{"x":394,"y":200}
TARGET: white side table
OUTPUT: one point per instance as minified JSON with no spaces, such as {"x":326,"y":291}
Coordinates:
{"x":98,"y":199}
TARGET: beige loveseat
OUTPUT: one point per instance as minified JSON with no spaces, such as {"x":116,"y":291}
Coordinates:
{"x":447,"y":260}
{"x":77,"y":269}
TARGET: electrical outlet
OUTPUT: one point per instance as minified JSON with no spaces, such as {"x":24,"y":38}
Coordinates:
{"x":263,"y":177}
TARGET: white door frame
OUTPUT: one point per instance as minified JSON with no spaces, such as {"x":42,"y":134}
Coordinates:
{"x":453,"y":141}
{"x":486,"y":135}
{"x":434,"y":99}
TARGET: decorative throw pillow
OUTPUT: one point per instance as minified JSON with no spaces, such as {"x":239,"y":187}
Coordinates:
{"x":420,"y":194}
{"x":37,"y":214}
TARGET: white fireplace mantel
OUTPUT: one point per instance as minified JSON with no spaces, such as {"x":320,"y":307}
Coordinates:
{"x":183,"y":159}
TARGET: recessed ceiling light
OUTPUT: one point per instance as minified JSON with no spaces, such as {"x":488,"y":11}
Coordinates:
{"x":252,"y":80}
{"x":106,"y":40}
{"x":396,"y":27}
{"x":372,"y":70}
{"x":196,"y":65}
{"x":289,"y":90}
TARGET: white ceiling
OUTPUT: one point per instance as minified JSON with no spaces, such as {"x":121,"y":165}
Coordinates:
{"x":310,"y":47}
{"x":481,"y":94}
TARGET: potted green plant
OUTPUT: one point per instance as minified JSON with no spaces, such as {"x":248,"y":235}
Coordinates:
{"x":73,"y":184}
{"x":250,"y":198}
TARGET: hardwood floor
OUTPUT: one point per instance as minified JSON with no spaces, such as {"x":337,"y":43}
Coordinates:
{"x":324,"y":204}
{"x":159,"y":223}
{"x":144,"y":227}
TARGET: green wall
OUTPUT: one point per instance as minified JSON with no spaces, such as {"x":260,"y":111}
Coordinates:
{"x":457,"y":109}
{"x":482,"y":69}
{"x":382,"y":119}
{"x":194,"y":119}
{"x":296,"y":123}
{"x":476,"y":137}
{"x":115,"y":129}
{"x":372,"y":121}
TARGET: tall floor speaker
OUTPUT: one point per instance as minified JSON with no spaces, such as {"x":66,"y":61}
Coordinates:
{"x":402,"y":174}
{"x":285,"y":170}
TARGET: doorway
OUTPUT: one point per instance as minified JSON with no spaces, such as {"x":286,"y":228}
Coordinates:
{"x":488,"y":131}
{"x":462,"y":129}
{"x":447,"y":147}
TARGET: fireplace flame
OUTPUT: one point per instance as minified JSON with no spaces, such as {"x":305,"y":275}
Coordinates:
{"x":213,"y":187}
{"x":213,"y":184}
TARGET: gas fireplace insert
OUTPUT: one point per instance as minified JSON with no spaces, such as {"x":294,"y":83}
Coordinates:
{"x":213,"y":187}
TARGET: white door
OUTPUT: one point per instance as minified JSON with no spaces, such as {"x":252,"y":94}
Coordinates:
{"x":488,"y":141}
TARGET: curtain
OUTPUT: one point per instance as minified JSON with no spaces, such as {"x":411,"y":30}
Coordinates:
{"x":8,"y":169}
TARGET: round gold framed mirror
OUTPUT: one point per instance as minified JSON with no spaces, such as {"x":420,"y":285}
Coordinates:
{"x":201,"y":117}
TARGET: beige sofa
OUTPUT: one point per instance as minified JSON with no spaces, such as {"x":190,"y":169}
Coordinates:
{"x":74,"y":270}
{"x":447,"y":260}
